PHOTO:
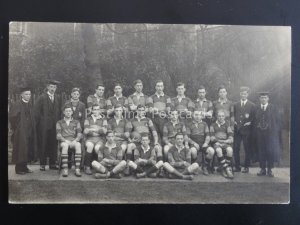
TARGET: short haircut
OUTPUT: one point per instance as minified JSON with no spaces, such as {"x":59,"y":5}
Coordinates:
{"x":180,"y":84}
{"x":141,"y":106}
{"x":118,"y":84}
{"x":67,"y":106}
{"x":75,"y":89}
{"x":201,"y":87}
{"x":137,"y":82}
{"x":144,"y":135}
{"x":109,"y":132}
{"x":222,"y":87}
{"x":158,"y":81}
{"x":95,"y":105}
{"x":220,"y":111}
{"x":99,"y":85}
{"x":244,"y":88}
{"x":179,"y":133}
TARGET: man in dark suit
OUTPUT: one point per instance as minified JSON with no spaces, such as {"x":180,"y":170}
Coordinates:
{"x":266,"y":129}
{"x":47,"y":113}
{"x":244,"y":112}
{"x":24,"y":134}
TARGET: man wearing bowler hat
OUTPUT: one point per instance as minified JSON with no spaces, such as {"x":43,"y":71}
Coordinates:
{"x":266,"y":129}
{"x":24,"y":141}
{"x":48,"y":112}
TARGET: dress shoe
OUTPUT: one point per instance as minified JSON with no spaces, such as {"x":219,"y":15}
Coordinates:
{"x":245,"y":170}
{"x":224,"y":174}
{"x":270,"y":173}
{"x":42,"y":168}
{"x":116,"y":176}
{"x":161,"y":173}
{"x":262,"y":172}
{"x":237,"y":169}
{"x":53,"y":167}
{"x":101,"y":175}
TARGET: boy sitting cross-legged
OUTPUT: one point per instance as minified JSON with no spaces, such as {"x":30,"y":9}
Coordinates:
{"x":179,"y":161}
{"x":110,"y":159}
{"x":145,"y":160}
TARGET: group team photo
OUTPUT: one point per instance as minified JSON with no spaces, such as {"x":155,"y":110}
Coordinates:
{"x":132,"y":114}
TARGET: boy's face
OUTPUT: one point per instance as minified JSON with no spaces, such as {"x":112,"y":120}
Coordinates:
{"x":68,"y":112}
{"x":264,"y":99}
{"x":221,"y":117}
{"x":96,"y":110}
{"x":100,"y":91}
{"x":51,"y":88}
{"x":118,"y":111}
{"x":141,"y":112}
{"x":145,"y":141}
{"x":244,"y":95}
{"x":201,"y":93}
{"x":159,"y":87}
{"x":110,"y":138}
{"x":180,"y":90}
{"x":179,"y":140}
{"x":75,"y":95}
{"x":174,"y":116}
{"x":26,"y":95}
{"x":118,"y":90}
{"x":138,"y":87}
{"x":197,"y":115}
{"x":222,"y":93}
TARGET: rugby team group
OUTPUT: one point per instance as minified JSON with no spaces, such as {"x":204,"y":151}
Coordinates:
{"x":140,"y":135}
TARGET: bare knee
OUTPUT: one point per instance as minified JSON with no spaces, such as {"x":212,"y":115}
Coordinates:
{"x":89,"y":147}
{"x":210,"y":152}
{"x":219,"y":152}
{"x":229,"y":151}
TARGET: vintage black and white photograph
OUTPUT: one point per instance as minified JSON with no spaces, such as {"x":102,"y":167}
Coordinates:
{"x":149,"y":113}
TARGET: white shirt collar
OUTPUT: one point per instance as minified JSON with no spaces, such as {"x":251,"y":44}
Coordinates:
{"x":138,"y":94}
{"x":117,"y":97}
{"x":160,"y":95}
{"x":220,"y":124}
{"x":24,"y":100}
{"x":266,"y":105}
{"x":198,"y":100}
{"x":97,"y":96}
{"x":174,"y":123}
{"x":68,"y":120}
{"x":118,"y":119}
{"x":51,"y":95}
{"x":222,"y":101}
{"x":179,"y":148}
{"x":244,"y":101}
{"x":180,"y":97}
{"x":96,"y":118}
{"x":145,"y":150}
{"x":140,"y":118}
{"x":112,"y":146}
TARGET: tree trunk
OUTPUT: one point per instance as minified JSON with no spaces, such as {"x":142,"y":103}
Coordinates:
{"x":91,"y":57}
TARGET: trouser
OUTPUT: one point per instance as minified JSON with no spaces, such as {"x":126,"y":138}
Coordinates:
{"x":50,"y":148}
{"x":266,"y":155}
{"x":238,"y":139}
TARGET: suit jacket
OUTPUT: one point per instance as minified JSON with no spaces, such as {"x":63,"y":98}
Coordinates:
{"x":244,"y":115}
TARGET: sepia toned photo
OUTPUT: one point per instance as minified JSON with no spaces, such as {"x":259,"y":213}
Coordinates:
{"x":149,"y":113}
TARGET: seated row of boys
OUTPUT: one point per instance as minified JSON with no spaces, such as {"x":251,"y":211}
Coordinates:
{"x":127,"y":146}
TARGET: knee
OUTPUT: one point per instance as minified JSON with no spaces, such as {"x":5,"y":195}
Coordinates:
{"x":130,"y":147}
{"x":124,"y":147}
{"x":210,"y":152}
{"x":123,"y":164}
{"x":219,"y":152}
{"x":166,"y":149}
{"x":89,"y":147}
{"x":193,"y":151}
{"x":229,"y":151}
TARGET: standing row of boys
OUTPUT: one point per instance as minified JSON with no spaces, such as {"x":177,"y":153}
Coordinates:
{"x":148,"y":136}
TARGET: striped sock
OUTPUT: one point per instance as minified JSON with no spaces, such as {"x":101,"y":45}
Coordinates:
{"x":228,"y":160}
{"x":77,"y":160}
{"x":64,"y":161}
{"x":222,"y":161}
